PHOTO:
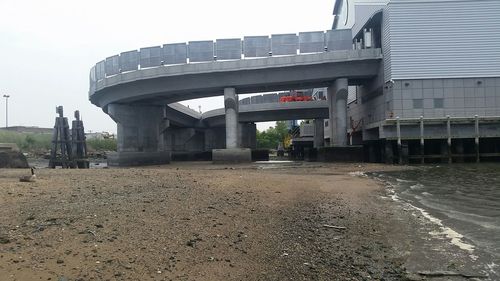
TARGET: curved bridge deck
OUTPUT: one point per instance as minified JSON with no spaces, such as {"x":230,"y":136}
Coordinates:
{"x":139,"y":89}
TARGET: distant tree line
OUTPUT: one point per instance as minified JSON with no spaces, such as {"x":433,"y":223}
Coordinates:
{"x":271,"y":137}
{"x":33,"y":142}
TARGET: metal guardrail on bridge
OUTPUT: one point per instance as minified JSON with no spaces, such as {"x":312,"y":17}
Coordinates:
{"x":222,"y":49}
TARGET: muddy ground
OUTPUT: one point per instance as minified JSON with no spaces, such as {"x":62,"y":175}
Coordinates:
{"x":198,"y":222}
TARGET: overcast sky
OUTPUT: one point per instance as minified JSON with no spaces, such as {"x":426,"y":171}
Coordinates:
{"x":48,"y":47}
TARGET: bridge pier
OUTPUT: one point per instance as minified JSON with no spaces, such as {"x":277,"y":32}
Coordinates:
{"x":233,"y":152}
{"x":337,"y":103}
{"x":248,"y":135}
{"x":139,"y":135}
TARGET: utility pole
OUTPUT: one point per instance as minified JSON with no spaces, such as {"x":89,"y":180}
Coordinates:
{"x":6,"y":110}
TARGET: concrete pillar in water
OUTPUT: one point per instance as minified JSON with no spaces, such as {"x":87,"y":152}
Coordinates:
{"x":337,"y":104}
{"x":231,"y":107}
{"x":139,"y":135}
{"x":319,"y":133}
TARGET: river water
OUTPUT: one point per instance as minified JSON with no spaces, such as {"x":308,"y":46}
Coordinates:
{"x":464,"y":200}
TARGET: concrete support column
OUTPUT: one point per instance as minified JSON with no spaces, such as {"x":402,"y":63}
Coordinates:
{"x":248,"y":135}
{"x":337,"y":101}
{"x":165,"y":134}
{"x":233,"y":153}
{"x":139,"y":134}
{"x":215,"y":138}
{"x":319,"y":133}
{"x":231,"y":107}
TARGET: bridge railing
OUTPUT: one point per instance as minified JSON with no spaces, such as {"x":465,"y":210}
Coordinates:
{"x":222,"y":49}
{"x":268,"y":98}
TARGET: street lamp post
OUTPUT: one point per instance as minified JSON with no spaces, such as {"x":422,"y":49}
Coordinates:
{"x":6,"y":110}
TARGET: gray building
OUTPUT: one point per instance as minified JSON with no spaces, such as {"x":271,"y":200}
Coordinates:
{"x":438,"y":90}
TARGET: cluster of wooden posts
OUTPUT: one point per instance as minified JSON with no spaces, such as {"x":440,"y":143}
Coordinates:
{"x":68,"y":150}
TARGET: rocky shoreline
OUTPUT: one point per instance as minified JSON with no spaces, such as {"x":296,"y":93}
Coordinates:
{"x":190,"y":221}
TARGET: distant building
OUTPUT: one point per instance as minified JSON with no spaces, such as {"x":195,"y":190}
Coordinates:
{"x":99,"y":135}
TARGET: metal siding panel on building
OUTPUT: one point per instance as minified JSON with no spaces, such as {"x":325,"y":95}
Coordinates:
{"x":386,"y":43}
{"x":444,"y":39}
{"x":150,"y":57}
{"x":363,"y":14}
{"x":311,"y":42}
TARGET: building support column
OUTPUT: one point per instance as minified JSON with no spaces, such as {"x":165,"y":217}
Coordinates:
{"x":405,"y":153}
{"x":337,"y":104}
{"x":139,"y":134}
{"x":445,"y":158}
{"x":459,"y":144}
{"x":319,"y":133}
{"x":422,"y":141}
{"x":233,"y":152}
{"x":476,"y":138}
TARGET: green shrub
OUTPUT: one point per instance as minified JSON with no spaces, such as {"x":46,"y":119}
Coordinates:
{"x":31,"y":142}
{"x":271,"y":137}
{"x":102,"y":144}
{"x":27,"y":141}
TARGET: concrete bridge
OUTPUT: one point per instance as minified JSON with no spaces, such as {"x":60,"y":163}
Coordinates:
{"x":138,"y":89}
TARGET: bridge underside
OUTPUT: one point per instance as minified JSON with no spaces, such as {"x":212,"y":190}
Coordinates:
{"x":151,"y":125}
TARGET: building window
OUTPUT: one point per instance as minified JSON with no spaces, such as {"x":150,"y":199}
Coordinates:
{"x":326,"y":123}
{"x":438,"y":103}
{"x":418,"y":103}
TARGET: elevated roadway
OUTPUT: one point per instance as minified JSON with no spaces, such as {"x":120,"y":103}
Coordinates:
{"x":139,"y":89}
{"x":164,"y":85}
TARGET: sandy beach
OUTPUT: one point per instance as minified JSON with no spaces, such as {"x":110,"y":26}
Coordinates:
{"x":200,"y":221}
